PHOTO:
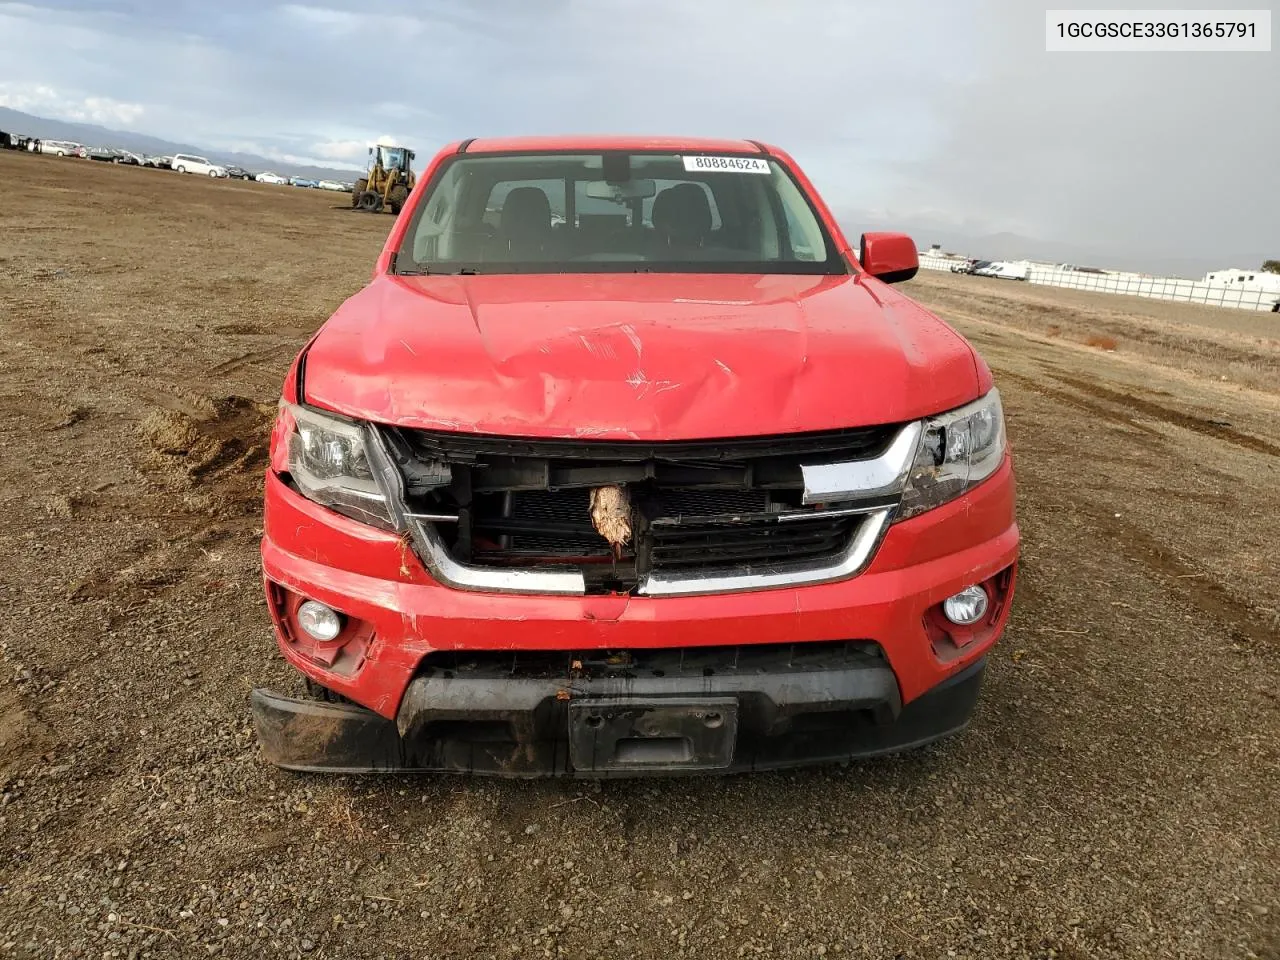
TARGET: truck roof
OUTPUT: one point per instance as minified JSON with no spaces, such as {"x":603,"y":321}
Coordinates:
{"x":593,"y":142}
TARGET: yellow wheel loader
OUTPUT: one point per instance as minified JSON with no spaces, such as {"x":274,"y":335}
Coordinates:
{"x":389,"y":181}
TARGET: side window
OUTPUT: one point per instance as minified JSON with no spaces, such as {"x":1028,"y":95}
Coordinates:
{"x":434,"y":239}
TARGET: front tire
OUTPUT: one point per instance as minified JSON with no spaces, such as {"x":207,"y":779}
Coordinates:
{"x":181,"y":169}
{"x":357,"y":191}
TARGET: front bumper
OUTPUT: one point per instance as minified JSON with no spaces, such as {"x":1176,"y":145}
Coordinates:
{"x":406,"y":619}
{"x":783,"y":719}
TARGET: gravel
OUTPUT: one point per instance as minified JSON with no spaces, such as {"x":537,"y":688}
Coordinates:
{"x":1114,"y":797}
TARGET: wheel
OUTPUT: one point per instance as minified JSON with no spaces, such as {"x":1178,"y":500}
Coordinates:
{"x":370,"y":201}
{"x":62,"y":153}
{"x":181,"y":169}
{"x":356,"y":192}
{"x":213,"y":173}
{"x":399,"y":195}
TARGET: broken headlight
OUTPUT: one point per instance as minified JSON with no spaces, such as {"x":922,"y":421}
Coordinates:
{"x":327,"y":458}
{"x":957,"y":451}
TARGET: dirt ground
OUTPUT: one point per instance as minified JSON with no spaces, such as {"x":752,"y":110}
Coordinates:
{"x":1116,"y":795}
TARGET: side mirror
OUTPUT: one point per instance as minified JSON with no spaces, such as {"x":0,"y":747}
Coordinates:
{"x":890,"y":257}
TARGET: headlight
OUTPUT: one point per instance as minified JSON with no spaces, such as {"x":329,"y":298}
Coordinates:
{"x":327,"y":458}
{"x":957,"y":451}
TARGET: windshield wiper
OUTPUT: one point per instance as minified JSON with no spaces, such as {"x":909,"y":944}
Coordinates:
{"x":428,"y":272}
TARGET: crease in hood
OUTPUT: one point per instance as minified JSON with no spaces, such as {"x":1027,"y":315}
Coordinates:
{"x":636,"y":356}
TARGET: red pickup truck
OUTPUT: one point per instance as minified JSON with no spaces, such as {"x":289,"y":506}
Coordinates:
{"x":625,"y":462}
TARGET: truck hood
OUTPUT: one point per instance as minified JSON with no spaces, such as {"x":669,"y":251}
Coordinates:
{"x":636,"y":356}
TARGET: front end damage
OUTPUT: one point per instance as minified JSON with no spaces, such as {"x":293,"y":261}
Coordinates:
{"x":654,"y":712}
{"x":649,"y":519}
{"x":536,"y":607}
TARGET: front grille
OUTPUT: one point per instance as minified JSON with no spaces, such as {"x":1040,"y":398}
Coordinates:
{"x":750,"y":542}
{"x":538,"y":522}
{"x":695,"y":505}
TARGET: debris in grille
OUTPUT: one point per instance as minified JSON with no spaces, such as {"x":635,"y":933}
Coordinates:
{"x":611,"y":515}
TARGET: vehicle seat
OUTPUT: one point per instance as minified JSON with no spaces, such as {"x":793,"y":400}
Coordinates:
{"x":525,"y":223}
{"x":682,"y":217}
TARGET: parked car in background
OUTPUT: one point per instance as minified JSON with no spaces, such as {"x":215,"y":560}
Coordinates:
{"x":58,"y":148}
{"x":130,"y":158}
{"x":104,"y":154}
{"x":162,"y":162}
{"x":304,"y":182}
{"x":13,"y":141}
{"x":238,"y":173}
{"x":189,"y":163}
{"x":332,"y":185}
{"x":268,"y":177}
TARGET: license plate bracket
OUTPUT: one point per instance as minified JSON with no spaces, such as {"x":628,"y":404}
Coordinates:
{"x":654,"y":734}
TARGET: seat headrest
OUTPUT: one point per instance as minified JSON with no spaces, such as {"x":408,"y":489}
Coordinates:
{"x":683,"y":212}
{"x":526,"y":212}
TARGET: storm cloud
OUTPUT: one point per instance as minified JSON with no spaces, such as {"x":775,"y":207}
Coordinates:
{"x":950,"y":113}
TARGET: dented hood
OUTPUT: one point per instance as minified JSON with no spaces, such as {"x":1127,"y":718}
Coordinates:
{"x":636,"y":356}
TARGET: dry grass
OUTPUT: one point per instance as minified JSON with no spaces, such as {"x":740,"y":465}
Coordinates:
{"x":1100,"y":341}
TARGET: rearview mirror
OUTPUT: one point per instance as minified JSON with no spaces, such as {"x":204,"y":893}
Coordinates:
{"x":628,"y":190}
{"x":890,"y":257}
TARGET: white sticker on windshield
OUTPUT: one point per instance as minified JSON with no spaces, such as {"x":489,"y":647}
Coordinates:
{"x":726,"y":165}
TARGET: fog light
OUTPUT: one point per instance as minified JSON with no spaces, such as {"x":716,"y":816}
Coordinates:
{"x":966,"y":607}
{"x":322,"y":623}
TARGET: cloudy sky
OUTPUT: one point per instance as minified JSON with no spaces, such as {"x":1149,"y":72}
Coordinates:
{"x":949,"y":113}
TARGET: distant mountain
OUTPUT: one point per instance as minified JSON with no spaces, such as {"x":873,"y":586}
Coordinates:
{"x":1011,"y":246}
{"x":91,"y":135}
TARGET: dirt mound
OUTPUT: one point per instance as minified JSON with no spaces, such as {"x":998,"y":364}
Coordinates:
{"x":218,"y":456}
{"x":171,"y":432}
{"x":234,"y":437}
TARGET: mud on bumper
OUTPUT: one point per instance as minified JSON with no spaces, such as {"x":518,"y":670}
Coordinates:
{"x":671,"y":713}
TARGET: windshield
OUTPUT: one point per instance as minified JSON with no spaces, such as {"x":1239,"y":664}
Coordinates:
{"x":615,"y":213}
{"x":391,"y":156}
